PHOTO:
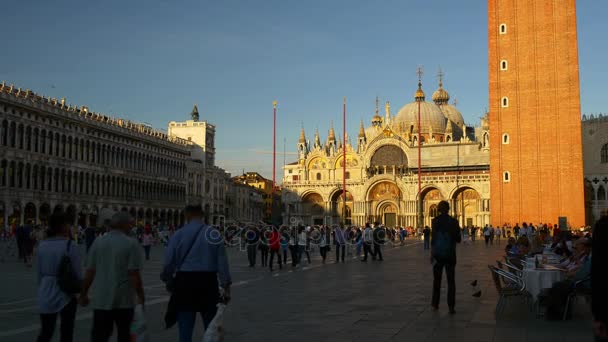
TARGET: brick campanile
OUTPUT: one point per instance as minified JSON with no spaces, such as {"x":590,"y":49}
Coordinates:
{"x":536,"y":162}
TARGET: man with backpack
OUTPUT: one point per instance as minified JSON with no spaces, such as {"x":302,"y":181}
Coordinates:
{"x":444,"y":237}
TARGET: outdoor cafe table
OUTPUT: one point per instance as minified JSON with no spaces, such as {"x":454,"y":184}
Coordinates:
{"x":538,"y":279}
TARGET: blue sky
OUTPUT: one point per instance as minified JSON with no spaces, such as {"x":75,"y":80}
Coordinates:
{"x":150,"y":61}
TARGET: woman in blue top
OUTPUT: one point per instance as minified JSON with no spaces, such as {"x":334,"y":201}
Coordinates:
{"x":51,"y":300}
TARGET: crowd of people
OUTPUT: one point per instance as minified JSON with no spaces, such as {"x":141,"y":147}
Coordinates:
{"x":118,"y":248}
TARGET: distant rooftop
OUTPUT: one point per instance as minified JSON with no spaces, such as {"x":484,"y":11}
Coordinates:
{"x":84,"y":112}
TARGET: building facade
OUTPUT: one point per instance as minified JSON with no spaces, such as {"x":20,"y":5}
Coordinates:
{"x":208,"y":183}
{"x":595,"y":152}
{"x":536,"y":157}
{"x":55,"y":156}
{"x":255,"y":180}
{"x":245,"y":203}
{"x":382,"y":169}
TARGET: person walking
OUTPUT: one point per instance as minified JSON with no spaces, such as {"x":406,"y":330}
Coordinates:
{"x":324,"y":241}
{"x":113,"y":271}
{"x":358,"y":241}
{"x":498,"y":232}
{"x":445,"y":235}
{"x":52,"y":301}
{"x":274,"y":242}
{"x":379,"y":237}
{"x":303,"y":243}
{"x":252,"y":238}
{"x":293,"y":246}
{"x":284,"y":235}
{"x":426,"y":232}
{"x":368,"y":239}
{"x":194,"y":260}
{"x":263,"y":246}
{"x":491,"y":235}
{"x":340,"y":242}
{"x":486,"y":235}
{"x":146,"y":241}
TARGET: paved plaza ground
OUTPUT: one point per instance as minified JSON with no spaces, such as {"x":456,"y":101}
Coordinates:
{"x":355,"y":301}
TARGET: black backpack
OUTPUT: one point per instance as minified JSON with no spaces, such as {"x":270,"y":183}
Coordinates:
{"x":67,"y":279}
{"x":443,"y":247}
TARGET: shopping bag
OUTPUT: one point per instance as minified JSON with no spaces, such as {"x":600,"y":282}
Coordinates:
{"x":139,"y":329}
{"x":215,"y":330}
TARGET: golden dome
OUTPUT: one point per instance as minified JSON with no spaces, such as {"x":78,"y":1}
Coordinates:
{"x":419,"y":96}
{"x":441,"y":96}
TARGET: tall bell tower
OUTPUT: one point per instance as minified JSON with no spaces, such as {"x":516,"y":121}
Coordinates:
{"x":536,"y":165}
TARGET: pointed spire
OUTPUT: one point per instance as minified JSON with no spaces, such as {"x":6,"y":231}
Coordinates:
{"x":361,"y":130}
{"x":332,"y":133}
{"x":302,"y":139}
{"x":448,"y":128}
{"x":194,"y":113}
{"x":317,"y":138}
{"x":419,"y":96}
{"x":377,"y":119}
{"x":387,"y":107}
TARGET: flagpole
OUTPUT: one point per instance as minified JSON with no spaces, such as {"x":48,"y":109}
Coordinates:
{"x":419,"y":99}
{"x":344,"y":161}
{"x":274,"y":156}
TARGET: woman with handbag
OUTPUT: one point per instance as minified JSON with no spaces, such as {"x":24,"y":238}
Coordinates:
{"x":52,"y":299}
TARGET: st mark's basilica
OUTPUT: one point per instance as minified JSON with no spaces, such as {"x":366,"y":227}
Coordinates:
{"x":382,"y":169}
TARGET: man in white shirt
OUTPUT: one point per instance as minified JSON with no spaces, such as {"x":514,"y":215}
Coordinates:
{"x":368,"y":239}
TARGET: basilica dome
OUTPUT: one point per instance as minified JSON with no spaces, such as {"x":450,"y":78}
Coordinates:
{"x":453,"y":114}
{"x":430,"y":116}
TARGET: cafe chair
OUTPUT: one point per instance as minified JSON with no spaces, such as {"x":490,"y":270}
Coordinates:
{"x":578,"y":290}
{"x":507,"y":285}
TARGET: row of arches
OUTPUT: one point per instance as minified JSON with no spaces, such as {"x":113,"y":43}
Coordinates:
{"x":42,"y":178}
{"x":17,"y":213}
{"x":48,"y":142}
{"x":386,"y":203}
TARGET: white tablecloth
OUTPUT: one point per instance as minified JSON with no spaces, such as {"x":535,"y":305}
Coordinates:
{"x":536,"y":280}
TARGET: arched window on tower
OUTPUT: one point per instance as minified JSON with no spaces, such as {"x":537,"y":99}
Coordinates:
{"x":604,"y":154}
{"x":503,"y":65}
{"x":505,"y":139}
{"x":503,"y":29}
{"x":505,"y":102}
{"x":506,"y":176}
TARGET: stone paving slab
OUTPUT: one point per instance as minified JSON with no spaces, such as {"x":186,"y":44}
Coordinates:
{"x":354,"y":301}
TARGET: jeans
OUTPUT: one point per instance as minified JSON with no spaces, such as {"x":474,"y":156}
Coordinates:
{"x":302,"y":250}
{"x":450,"y":274}
{"x":272,"y":253}
{"x":367,"y":249}
{"x":252,"y":252}
{"x":427,"y":243}
{"x":47,"y":322}
{"x":378,"y":251}
{"x":294,"y":254}
{"x":264,"y":255}
{"x":103,"y":323}
{"x":147,"y":250}
{"x":338,"y":247}
{"x":323,"y":250}
{"x":186,"y":321}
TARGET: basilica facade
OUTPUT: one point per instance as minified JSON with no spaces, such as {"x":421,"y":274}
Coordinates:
{"x":382,"y":169}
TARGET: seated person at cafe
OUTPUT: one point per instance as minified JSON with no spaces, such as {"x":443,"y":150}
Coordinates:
{"x":521,"y":248}
{"x":510,"y":245}
{"x":579,"y":269}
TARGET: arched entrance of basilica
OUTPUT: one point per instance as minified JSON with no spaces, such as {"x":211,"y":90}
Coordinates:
{"x":430,"y":198}
{"x":341,"y":210}
{"x":384,"y":198}
{"x":313,"y":209}
{"x":466,"y":207}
